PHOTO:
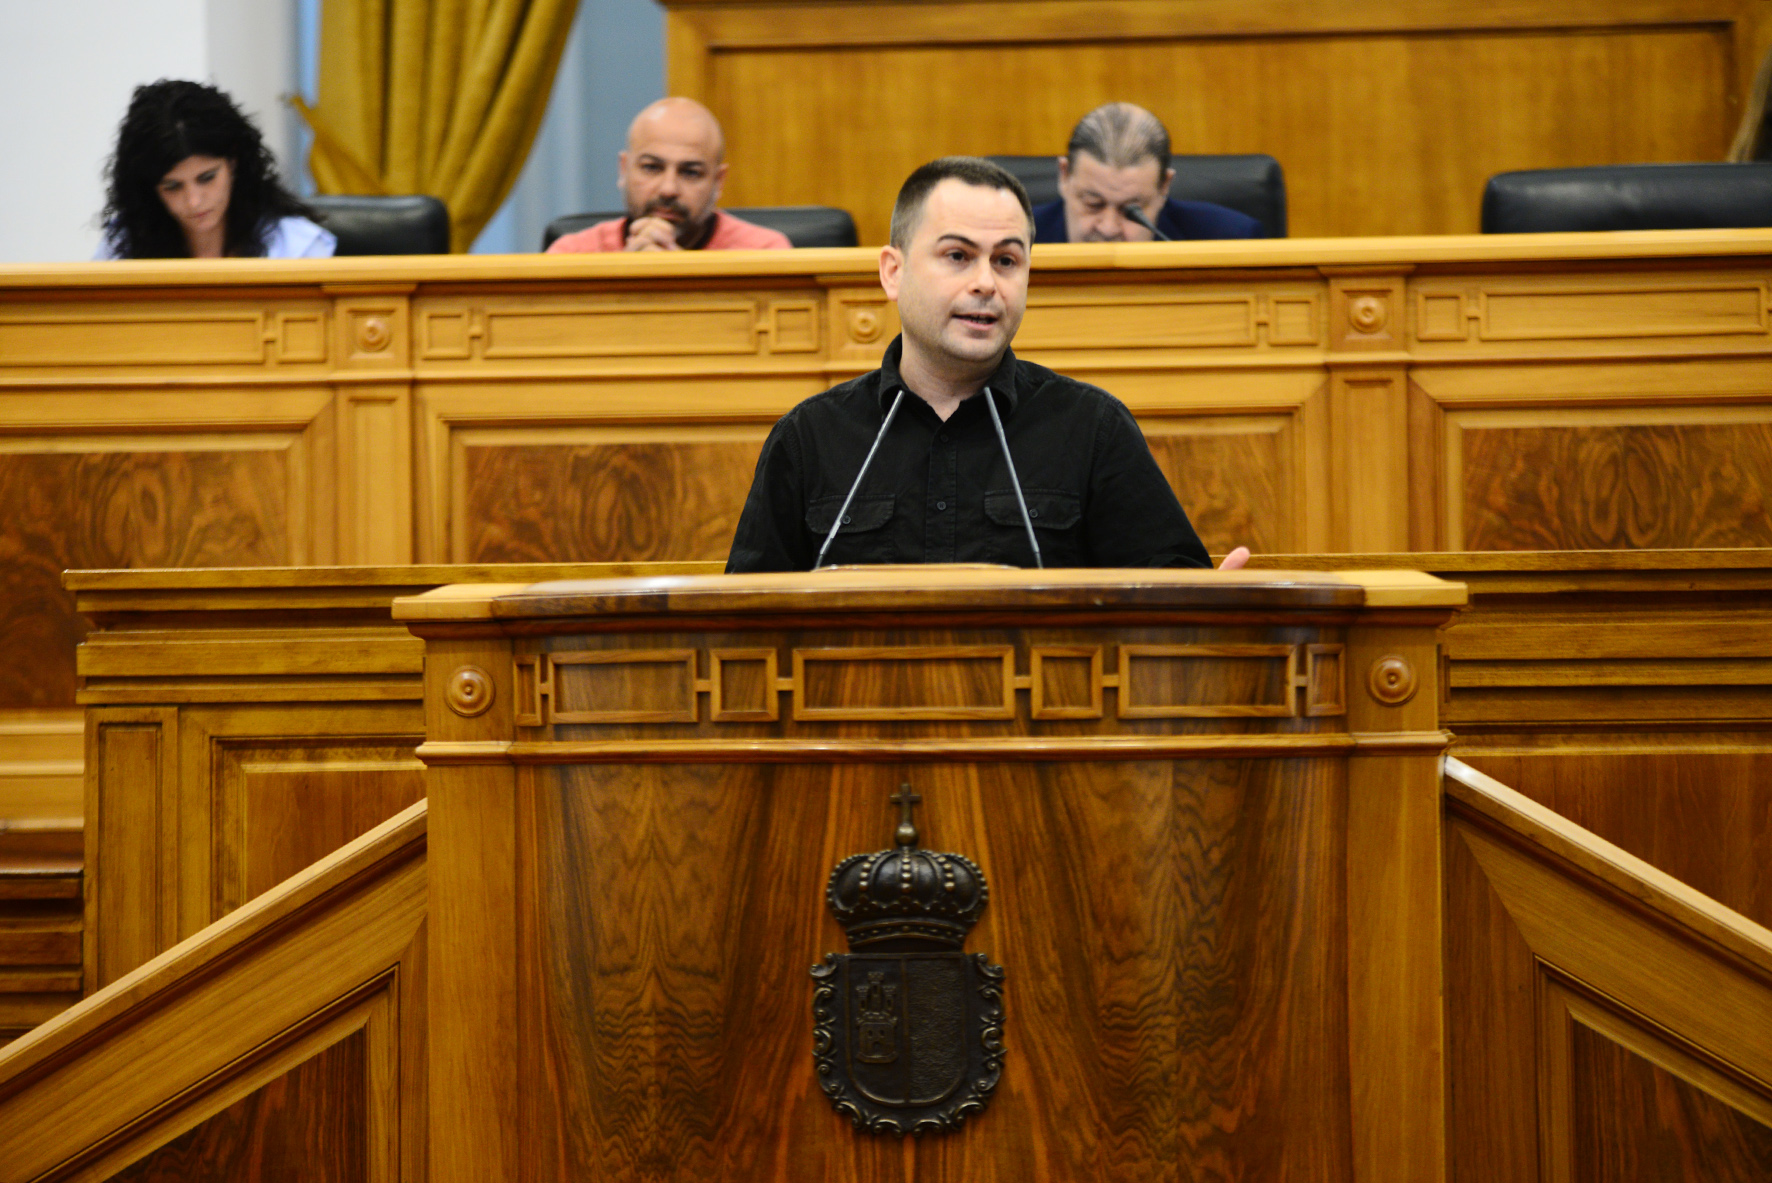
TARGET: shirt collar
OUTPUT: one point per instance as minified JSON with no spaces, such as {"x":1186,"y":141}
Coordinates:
{"x":1001,"y":382}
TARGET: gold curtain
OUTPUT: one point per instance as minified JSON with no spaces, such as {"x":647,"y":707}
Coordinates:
{"x":433,"y":96}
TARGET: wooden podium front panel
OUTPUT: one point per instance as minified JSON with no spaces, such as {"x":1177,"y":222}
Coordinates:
{"x":1212,"y":858}
{"x":1188,"y":1005}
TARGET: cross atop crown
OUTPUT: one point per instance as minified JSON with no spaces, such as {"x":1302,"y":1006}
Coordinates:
{"x":907,"y":803}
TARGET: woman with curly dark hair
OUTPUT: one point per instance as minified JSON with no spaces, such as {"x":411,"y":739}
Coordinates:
{"x":192,"y":179}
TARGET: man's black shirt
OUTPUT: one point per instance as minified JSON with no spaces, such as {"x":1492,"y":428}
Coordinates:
{"x":940,"y":492}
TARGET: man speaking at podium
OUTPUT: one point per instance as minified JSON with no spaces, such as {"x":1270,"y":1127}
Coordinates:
{"x":908,"y":464}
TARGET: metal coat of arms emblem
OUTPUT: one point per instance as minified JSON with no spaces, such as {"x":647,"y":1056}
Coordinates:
{"x":907,"y":1027}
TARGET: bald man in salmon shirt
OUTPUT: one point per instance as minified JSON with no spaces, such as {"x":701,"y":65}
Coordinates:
{"x":670,"y":179}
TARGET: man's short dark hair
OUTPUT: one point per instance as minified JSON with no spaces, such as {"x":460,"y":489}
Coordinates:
{"x":973,"y":170}
{"x":1121,"y":135}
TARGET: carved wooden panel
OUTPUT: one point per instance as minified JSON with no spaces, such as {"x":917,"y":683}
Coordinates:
{"x":309,"y":1124}
{"x":1602,"y":481}
{"x":581,"y":495}
{"x":1192,"y":1001}
{"x":1569,"y":310}
{"x":1236,"y":476}
{"x":146,"y":335}
{"x":126,"y":502}
{"x":909,"y":681}
{"x":282,"y":804}
{"x":1635,"y":1122}
{"x":660,"y":325}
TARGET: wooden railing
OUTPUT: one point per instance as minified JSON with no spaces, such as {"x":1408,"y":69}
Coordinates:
{"x":1605,"y":1021}
{"x":290,"y":1031}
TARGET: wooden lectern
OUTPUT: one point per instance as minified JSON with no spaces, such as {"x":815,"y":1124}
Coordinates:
{"x":1207,"y":805}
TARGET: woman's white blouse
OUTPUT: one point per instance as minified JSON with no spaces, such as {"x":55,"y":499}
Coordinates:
{"x":290,"y":238}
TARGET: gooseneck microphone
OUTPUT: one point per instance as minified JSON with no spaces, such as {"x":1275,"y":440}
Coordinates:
{"x":837,"y":523}
{"x":1026,"y":518}
{"x":1130,"y":210}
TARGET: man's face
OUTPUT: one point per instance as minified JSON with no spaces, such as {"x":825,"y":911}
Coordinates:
{"x":961,"y":284}
{"x":673,"y":170}
{"x":1095,"y":193}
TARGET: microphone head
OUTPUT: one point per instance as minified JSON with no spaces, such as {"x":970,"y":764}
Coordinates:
{"x":1133,"y":212}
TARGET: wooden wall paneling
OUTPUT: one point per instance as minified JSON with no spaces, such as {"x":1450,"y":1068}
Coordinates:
{"x":551,"y":473}
{"x":566,"y":493}
{"x":41,"y":761}
{"x":135,"y":478}
{"x":1427,"y":471}
{"x":1609,"y":478}
{"x":373,"y":331}
{"x":1404,"y":154}
{"x":1633,"y":1120}
{"x":478,"y":914}
{"x":131,"y":835}
{"x":41,"y":924}
{"x":1626,"y":964}
{"x":293,"y":1021}
{"x":1690,"y":803}
{"x":1396,"y":1037}
{"x":1491,"y":1029}
{"x":265,"y":791}
{"x":309,"y":1114}
{"x":1369,"y":427}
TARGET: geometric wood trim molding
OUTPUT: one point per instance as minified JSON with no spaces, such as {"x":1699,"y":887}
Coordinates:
{"x":924,"y":683}
{"x":855,"y":687}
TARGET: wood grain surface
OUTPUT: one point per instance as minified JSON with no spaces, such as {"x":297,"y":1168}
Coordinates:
{"x":1175,"y":989}
{"x":1491,"y":1030}
{"x":583,"y":503}
{"x":118,"y":509}
{"x":1237,"y":487}
{"x":1388,"y":118}
{"x":1703,"y":816}
{"x":1617,"y":487}
{"x":1638,"y":1123}
{"x":306,"y":1125}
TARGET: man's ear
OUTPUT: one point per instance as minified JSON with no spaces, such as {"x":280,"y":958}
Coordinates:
{"x":1064,"y":169}
{"x":891,"y":267}
{"x":621,"y":172}
{"x":719,"y":181}
{"x":1168,"y":180}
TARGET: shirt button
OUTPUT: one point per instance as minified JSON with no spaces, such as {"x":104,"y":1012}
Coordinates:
{"x":846,"y":519}
{"x":941,"y":505}
{"x":1033,"y":513}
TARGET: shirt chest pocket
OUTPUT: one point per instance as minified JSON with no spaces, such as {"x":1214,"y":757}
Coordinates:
{"x":863,"y":537}
{"x":1056,"y":516}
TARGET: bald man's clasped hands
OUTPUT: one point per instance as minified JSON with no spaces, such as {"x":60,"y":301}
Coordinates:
{"x":670,"y":178}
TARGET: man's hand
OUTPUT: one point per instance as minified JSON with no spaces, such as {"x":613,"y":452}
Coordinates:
{"x":1235,"y":560}
{"x":652,"y":234}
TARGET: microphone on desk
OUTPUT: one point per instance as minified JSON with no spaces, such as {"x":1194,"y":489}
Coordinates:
{"x":1132,"y":212}
{"x":837,"y":522}
{"x":1026,"y":518}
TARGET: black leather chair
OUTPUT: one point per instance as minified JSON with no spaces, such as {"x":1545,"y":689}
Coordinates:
{"x":1629,"y":197}
{"x":1253,"y":184}
{"x":413,"y":225}
{"x":805,"y":225}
